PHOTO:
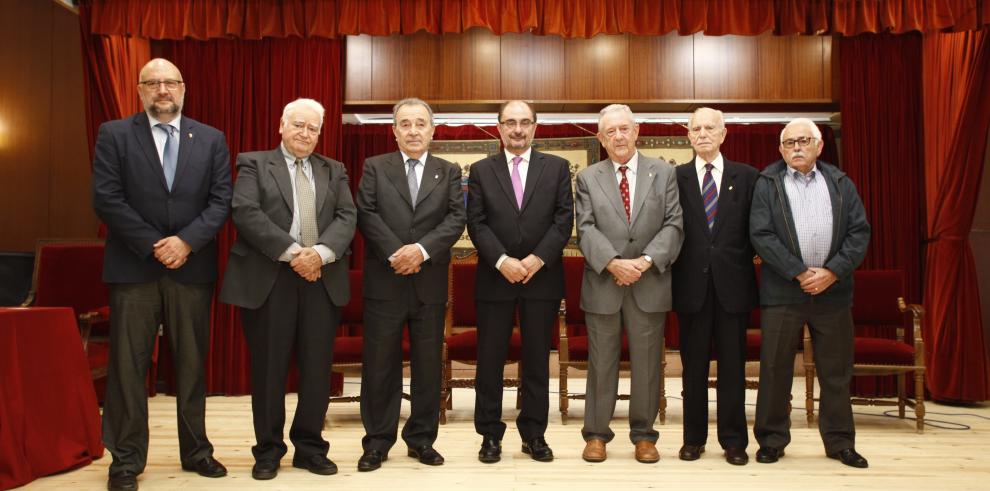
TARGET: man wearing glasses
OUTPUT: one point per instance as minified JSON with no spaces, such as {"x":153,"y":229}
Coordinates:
{"x":161,"y":184}
{"x":809,"y":226}
{"x":520,"y":215}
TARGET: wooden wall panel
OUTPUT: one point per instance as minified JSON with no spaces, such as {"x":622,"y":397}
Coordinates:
{"x":388,"y":68}
{"x":533,"y":67}
{"x":480,"y":58}
{"x":790,"y":67}
{"x":725,"y":67}
{"x":661,"y":67}
{"x":597,"y":68}
{"x":357,"y":85}
{"x":423,"y":68}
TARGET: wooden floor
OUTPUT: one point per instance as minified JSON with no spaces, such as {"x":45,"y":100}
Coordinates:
{"x":944,"y":458}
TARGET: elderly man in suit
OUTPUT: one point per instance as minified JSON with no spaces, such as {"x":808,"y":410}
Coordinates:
{"x":809,"y":226}
{"x":288,"y":272}
{"x":411,"y":212}
{"x":714,"y":287}
{"x":629,"y":230}
{"x":161,"y":184}
{"x":520,"y":215}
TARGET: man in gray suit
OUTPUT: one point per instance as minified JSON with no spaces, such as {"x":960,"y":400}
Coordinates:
{"x":288,"y":272}
{"x":630,"y":232}
{"x":411,"y":212}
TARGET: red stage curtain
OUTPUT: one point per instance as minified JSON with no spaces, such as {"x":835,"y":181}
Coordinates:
{"x":956,"y":75}
{"x":882,"y":154}
{"x":209,"y":19}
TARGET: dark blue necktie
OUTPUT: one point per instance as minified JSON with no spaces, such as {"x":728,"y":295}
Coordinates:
{"x":710,"y":193}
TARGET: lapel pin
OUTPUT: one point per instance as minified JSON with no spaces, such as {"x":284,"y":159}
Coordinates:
{"x":436,"y":176}
{"x":190,"y":135}
{"x":730,"y":188}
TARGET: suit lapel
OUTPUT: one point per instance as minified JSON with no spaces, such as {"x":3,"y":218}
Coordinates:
{"x":502,"y":174}
{"x":142,"y":132}
{"x":536,"y":167}
{"x":606,"y":180}
{"x":645,"y":175}
{"x":690,"y":178}
{"x":396,"y":172}
{"x":431,"y":175}
{"x":186,"y":137}
{"x":321,"y":177}
{"x":280,"y":172}
{"x":726,"y":195}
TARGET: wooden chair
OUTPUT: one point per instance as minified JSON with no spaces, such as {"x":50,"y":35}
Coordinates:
{"x":461,"y":333}
{"x":879,"y":301}
{"x":572,"y":347}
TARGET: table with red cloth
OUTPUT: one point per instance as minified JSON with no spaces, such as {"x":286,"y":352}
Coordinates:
{"x":49,"y":417}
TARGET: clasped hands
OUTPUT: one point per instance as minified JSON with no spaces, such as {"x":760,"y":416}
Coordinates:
{"x":520,"y":271}
{"x":407,"y":259}
{"x":172,"y":251}
{"x":307,"y":263}
{"x":627,"y":271}
{"x":816,"y":280}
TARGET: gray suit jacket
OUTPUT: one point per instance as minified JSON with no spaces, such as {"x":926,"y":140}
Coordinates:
{"x":603,"y":234}
{"x":388,"y":221}
{"x":262,"y":212}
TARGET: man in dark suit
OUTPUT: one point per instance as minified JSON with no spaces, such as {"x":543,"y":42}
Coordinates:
{"x":520,"y":216}
{"x":161,"y":184}
{"x":714,"y":287}
{"x":411,"y":212}
{"x":288,"y":272}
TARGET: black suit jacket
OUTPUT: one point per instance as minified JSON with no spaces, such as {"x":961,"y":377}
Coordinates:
{"x":263,"y":204}
{"x":541,"y":227}
{"x":388,"y":221}
{"x":132,"y":199}
{"x":725,"y":252}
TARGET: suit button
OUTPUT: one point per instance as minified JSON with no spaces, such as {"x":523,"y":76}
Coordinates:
{"x":631,"y":239}
{"x":412,"y":231}
{"x":705,"y":270}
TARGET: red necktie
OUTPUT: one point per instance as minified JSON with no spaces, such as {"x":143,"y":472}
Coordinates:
{"x":624,"y":190}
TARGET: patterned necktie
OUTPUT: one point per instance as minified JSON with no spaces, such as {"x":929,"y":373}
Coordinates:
{"x":307,"y":207}
{"x":710,"y":193}
{"x":411,"y":178}
{"x":624,"y":190}
{"x":170,"y":154}
{"x":517,"y":184}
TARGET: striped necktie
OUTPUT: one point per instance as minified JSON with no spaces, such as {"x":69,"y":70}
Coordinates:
{"x":710,"y":193}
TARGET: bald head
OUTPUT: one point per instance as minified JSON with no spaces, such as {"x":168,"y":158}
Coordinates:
{"x":706,"y":132}
{"x":161,"y":89}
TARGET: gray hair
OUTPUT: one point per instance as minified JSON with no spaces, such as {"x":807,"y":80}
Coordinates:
{"x":411,"y":101}
{"x":301,"y":103}
{"x":815,"y":132}
{"x":721,"y":117}
{"x":615,"y":108}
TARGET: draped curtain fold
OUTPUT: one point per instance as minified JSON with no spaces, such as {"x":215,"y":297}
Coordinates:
{"x":956,"y":77}
{"x":208,"y":19}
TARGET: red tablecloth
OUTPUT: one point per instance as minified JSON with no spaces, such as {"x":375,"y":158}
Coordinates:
{"x":49,"y":417}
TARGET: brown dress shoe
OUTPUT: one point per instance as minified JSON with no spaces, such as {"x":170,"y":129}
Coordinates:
{"x":736,"y":456}
{"x":646,"y":452}
{"x":594,"y":450}
{"x":691,"y":452}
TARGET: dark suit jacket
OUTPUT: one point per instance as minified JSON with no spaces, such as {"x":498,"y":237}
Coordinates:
{"x":132,"y":199}
{"x":541,"y":227}
{"x":263,"y":204}
{"x":725,"y":252}
{"x":388,"y":221}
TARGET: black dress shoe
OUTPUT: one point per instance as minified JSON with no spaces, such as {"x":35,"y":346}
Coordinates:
{"x":264,"y":470}
{"x":491,"y":450}
{"x":768,"y":455}
{"x":371,"y":460}
{"x":538,"y":449}
{"x":122,"y":481}
{"x":736,"y":456}
{"x":208,"y":467}
{"x":426,"y":455}
{"x":317,"y":464}
{"x":691,"y":452}
{"x":849,"y":457}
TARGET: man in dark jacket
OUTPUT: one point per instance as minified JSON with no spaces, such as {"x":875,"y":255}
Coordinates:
{"x":809,"y":226}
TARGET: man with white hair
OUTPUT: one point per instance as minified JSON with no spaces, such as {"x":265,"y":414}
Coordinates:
{"x":161,"y":184}
{"x":809,"y":226}
{"x":288,"y":272}
{"x":630,"y":232}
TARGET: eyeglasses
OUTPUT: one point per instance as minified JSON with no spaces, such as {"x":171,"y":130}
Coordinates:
{"x":153,"y":84}
{"x":523,"y":125}
{"x":803,"y":142}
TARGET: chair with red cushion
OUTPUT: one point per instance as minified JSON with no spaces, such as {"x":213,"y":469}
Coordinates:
{"x":572,"y":347}
{"x":878,"y":300}
{"x":461,"y":333}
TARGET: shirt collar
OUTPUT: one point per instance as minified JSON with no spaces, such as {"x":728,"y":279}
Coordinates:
{"x":289,"y":158}
{"x":718,"y":164}
{"x":421,"y":159}
{"x":804,"y":177}
{"x":632,"y":165}
{"x":175,"y":123}
{"x":525,"y":156}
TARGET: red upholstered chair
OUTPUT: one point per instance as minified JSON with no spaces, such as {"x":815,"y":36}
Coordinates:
{"x":878,"y":300}
{"x":461,"y":333}
{"x":572,"y":348}
{"x":349,"y":343}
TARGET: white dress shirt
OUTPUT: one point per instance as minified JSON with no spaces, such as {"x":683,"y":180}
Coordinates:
{"x":632,"y":166}
{"x":325,"y":253}
{"x":523,"y":172}
{"x":160,"y":136}
{"x":718,"y":166}
{"x":419,"y":181}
